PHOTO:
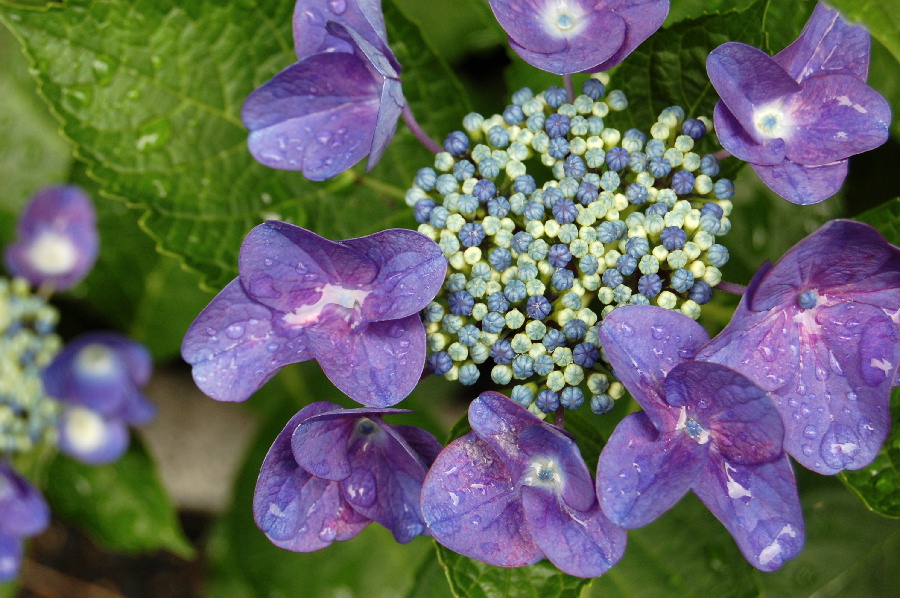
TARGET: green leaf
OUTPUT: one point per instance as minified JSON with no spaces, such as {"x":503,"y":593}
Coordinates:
{"x":880,"y":17}
{"x":886,"y":218}
{"x":122,"y":505}
{"x":474,"y":579}
{"x":430,"y":581}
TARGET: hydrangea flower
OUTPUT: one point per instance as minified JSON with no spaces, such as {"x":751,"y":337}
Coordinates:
{"x":98,"y":378}
{"x":338,"y":103}
{"x":23,"y":513}
{"x":705,"y":428}
{"x":353,"y":306}
{"x":331,"y":471}
{"x":57,"y":238}
{"x":570,"y":36}
{"x":798,"y":116}
{"x":515,"y":490}
{"x":819,"y":331}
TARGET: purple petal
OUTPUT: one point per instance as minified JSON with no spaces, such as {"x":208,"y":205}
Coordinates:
{"x":372,"y":54}
{"x":758,"y":505}
{"x":10,"y":558}
{"x":411,"y":269}
{"x":58,"y":239}
{"x":743,"y":423}
{"x":376,"y":364}
{"x":499,"y":421}
{"x":317,"y":116}
{"x":312,"y":16}
{"x":643,"y":17}
{"x":296,"y":510}
{"x":580,"y":542}
{"x":545,"y":444}
{"x":643,"y":343}
{"x":472,"y":507}
{"x":642,"y":474}
{"x":834,"y":117}
{"x":735,"y":138}
{"x":91,"y":437}
{"x":828,"y":45}
{"x":389,"y":111}
{"x":747,"y":78}
{"x":803,"y":185}
{"x":234,"y":348}
{"x":422,"y":443}
{"x":25,"y":512}
{"x":137,"y":409}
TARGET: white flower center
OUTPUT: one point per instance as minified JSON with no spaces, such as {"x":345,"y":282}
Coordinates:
{"x":544,"y":473}
{"x":53,"y":254}
{"x":331,"y":295}
{"x":770,"y":121}
{"x":96,"y":361}
{"x":85,"y":429}
{"x":563,"y":18}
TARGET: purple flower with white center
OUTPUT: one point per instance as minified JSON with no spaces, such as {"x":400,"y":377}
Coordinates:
{"x":515,"y":490}
{"x":331,"y":471}
{"x":352,"y":306}
{"x":339,"y":103}
{"x":819,"y":332}
{"x":704,"y":428}
{"x":796,"y":117}
{"x":98,"y":377}
{"x":23,"y":513}
{"x":570,"y":36}
{"x":58,"y":240}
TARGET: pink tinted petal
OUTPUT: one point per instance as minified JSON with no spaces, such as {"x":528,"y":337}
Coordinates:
{"x":742,"y":421}
{"x":834,"y":117}
{"x":376,"y":364}
{"x":643,"y":343}
{"x":803,"y":185}
{"x":25,"y":512}
{"x":836,"y":412}
{"x":643,"y":17}
{"x":317,"y":116}
{"x":828,"y":45}
{"x":286,"y":267}
{"x":500,"y":421}
{"x":234,"y":348}
{"x":311,"y":17}
{"x":758,"y":504}
{"x":747,"y":78}
{"x":10,"y":557}
{"x":472,"y":507}
{"x":740,"y":144}
{"x":642,"y":474}
{"x":583,"y":543}
{"x":545,"y":443}
{"x":107,"y":437}
{"x":411,"y":269}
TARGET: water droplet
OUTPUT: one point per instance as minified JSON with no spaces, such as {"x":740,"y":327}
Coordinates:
{"x":337,"y":6}
{"x":851,"y":396}
{"x":235,"y":331}
{"x":810,"y":432}
{"x":821,"y":373}
{"x":272,"y":347}
{"x":807,"y":450}
{"x":313,"y":17}
{"x":658,"y":332}
{"x":267,"y":261}
{"x":627,"y":329}
{"x":211,"y":331}
{"x":793,"y":402}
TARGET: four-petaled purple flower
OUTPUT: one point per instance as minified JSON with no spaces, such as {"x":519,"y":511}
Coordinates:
{"x":98,"y":377}
{"x":819,"y":331}
{"x":353,"y":306}
{"x":331,"y":471}
{"x":570,"y":36}
{"x":23,"y":513}
{"x":340,"y":102}
{"x":705,"y":428}
{"x":796,"y":117}
{"x":58,"y":240}
{"x":515,"y":490}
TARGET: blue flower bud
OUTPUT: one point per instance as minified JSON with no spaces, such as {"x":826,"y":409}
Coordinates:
{"x":493,"y":322}
{"x":438,"y":217}
{"x":588,"y":264}
{"x":564,"y":211}
{"x":636,"y":194}
{"x":636,"y":134}
{"x":700,"y":292}
{"x":650,"y":285}
{"x":498,"y":207}
{"x":467,"y":204}
{"x":682,"y":280}
{"x":456,"y":143}
{"x":659,"y":167}
{"x":723,"y":189}
{"x":538,"y":307}
{"x":585,"y":355}
{"x":422,"y":210}
{"x":522,"y":395}
{"x":547,"y":401}
{"x":498,"y":136}
{"x":468,"y":374}
{"x":553,"y":339}
{"x":571,"y":397}
{"x":608,"y":232}
{"x":602,"y":403}
{"x":612,"y":277}
{"x":440,"y":363}
{"x":557,"y":125}
{"x":425,"y":179}
{"x":559,"y":148}
{"x":463,"y":170}
{"x":617,"y":100}
{"x":575,"y":167}
{"x":446,"y":184}
{"x":657,"y":209}
{"x":712,"y":208}
{"x":655,"y":148}
{"x":638,"y":162}
{"x":461,"y":303}
{"x":533,"y":211}
{"x":587,"y":193}
{"x":562,"y":280}
{"x":709,"y":165}
{"x":673,"y":238}
{"x":489,"y":168}
{"x":524,"y":184}
{"x":499,"y":258}
{"x":575,"y":329}
{"x":523,"y":367}
{"x":522,"y":95}
{"x":683,"y":182}
{"x":717,"y":255}
{"x":527,"y":271}
{"x":709,"y":223}
{"x":513,"y":114}
{"x":626,"y":264}
{"x":555,"y":96}
{"x":551,"y":196}
{"x":502,"y":352}
{"x":521,"y":241}
{"x":618,"y":158}
{"x":484,"y":190}
{"x":559,"y":255}
{"x":593,"y":89}
{"x":471,"y":234}
{"x":693,"y":128}
{"x":637,"y":247}
{"x":515,"y":291}
{"x":609,"y":181}
{"x":535,"y":122}
{"x":543,"y":364}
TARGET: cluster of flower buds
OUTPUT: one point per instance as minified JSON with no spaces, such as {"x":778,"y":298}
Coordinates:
{"x":626,"y":219}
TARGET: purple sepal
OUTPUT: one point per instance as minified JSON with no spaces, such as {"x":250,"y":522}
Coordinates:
{"x":803,"y":185}
{"x":311,"y":18}
{"x":296,"y":510}
{"x":472,"y":507}
{"x":499,"y":422}
{"x":643,"y":17}
{"x":10,"y":557}
{"x":743,"y":146}
{"x":92,"y":437}
{"x":57,"y":240}
{"x":643,"y":343}
{"x":758,"y":504}
{"x":642,"y":474}
{"x":547,"y":442}
{"x":24,"y":510}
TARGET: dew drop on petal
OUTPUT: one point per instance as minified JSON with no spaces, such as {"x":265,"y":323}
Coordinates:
{"x":337,"y":6}
{"x":235,"y":331}
{"x":810,"y":432}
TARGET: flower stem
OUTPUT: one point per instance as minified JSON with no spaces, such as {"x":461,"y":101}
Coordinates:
{"x":416,"y":130}
{"x":730,"y":287}
{"x":722,"y":154}
{"x":559,"y":422}
{"x":570,"y":88}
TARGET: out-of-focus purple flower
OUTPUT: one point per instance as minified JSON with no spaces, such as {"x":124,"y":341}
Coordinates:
{"x":339,"y":103}
{"x":353,"y":306}
{"x":23,"y":513}
{"x":705,"y":428}
{"x":516,"y":490}
{"x":570,"y":36}
{"x":798,"y":116}
{"x":332,"y":470}
{"x":98,"y":377}
{"x":58,"y":240}
{"x":819,"y":331}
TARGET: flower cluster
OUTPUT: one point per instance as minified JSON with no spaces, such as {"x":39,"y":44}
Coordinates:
{"x":626,"y":219}
{"x":24,"y":514}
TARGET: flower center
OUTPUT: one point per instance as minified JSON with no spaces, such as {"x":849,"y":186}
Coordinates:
{"x":808,"y":299}
{"x":770,"y":121}
{"x":543,"y":473}
{"x":85,"y":429}
{"x":53,"y":254}
{"x":330,"y":295}
{"x":563,"y":19}
{"x":692,"y":427}
{"x":96,"y":361}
